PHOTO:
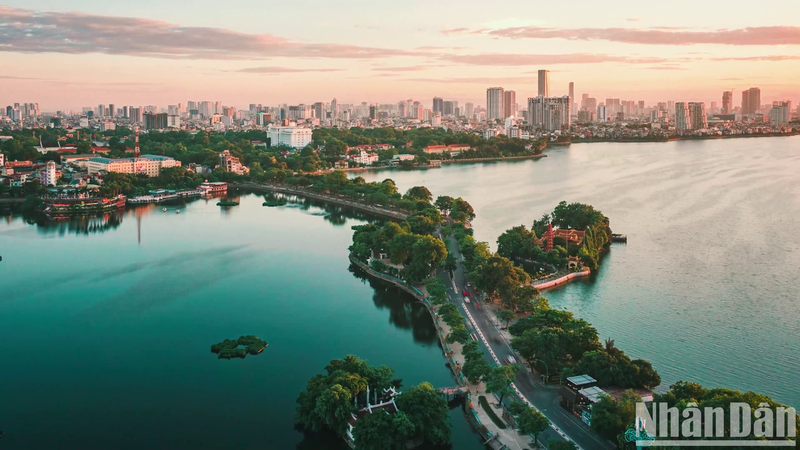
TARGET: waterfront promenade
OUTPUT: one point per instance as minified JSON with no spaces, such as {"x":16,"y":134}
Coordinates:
{"x":379,"y":210}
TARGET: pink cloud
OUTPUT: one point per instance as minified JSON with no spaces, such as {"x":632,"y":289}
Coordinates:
{"x":777,"y":35}
{"x":504,"y":59}
{"x":279,"y":70}
{"x":26,"y":31}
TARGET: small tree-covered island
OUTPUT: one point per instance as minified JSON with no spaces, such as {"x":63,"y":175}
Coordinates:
{"x":364,"y":405}
{"x":239,"y":348}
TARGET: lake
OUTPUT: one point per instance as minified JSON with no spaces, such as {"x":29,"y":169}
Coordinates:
{"x":706,"y":287}
{"x":106,"y":326}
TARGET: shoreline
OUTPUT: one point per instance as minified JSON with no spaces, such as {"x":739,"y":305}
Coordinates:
{"x":680,"y":138}
{"x":561,"y":280}
{"x":417,"y":294}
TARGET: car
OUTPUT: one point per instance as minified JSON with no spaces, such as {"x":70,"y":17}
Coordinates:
{"x":464,"y":293}
{"x":509,"y":360}
{"x":466,"y":299}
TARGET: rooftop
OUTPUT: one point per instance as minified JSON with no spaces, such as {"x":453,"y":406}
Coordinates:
{"x":581,"y":380}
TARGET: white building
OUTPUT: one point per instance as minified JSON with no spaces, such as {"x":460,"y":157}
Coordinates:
{"x":2,"y":159}
{"x":601,"y":113}
{"x":47,"y":176}
{"x":108,"y":126}
{"x":84,"y":122}
{"x":364,"y":158}
{"x":494,"y":103}
{"x":780,"y":114}
{"x":173,"y":121}
{"x":295,"y":137}
{"x":149,"y":165}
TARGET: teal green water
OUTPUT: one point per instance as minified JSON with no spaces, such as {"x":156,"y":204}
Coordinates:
{"x":106,"y":324}
{"x":707,"y":286}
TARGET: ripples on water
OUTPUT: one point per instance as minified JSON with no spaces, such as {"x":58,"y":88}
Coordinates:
{"x":706,"y":288}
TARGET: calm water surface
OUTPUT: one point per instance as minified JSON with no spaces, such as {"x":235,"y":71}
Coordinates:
{"x":106,"y":324}
{"x":707,"y":286}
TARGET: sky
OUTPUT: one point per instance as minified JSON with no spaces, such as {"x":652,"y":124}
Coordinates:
{"x":68,"y":54}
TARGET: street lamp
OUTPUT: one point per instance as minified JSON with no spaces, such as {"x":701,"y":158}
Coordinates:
{"x":546,"y":371}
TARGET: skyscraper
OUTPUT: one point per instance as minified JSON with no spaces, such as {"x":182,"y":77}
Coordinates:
{"x":449,"y":108}
{"x":509,"y":104}
{"x":697,"y":115}
{"x":334,"y":109}
{"x":751,"y":101}
{"x":438,"y":105}
{"x":468,"y":110}
{"x":544,"y":83}
{"x":682,"y":119}
{"x":549,"y":113}
{"x":572,"y":95}
{"x":727,"y":102}
{"x":494,"y":103}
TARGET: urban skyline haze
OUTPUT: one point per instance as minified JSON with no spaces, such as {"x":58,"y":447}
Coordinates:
{"x":80,"y":53}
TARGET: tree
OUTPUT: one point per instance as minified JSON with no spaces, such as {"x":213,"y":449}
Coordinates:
{"x":476,"y":369}
{"x":444,"y":203}
{"x":450,"y":263}
{"x":611,"y":417}
{"x":506,"y":316}
{"x":427,"y":411}
{"x":458,"y":334}
{"x":531,"y":421}
{"x":420,"y":193}
{"x":462,"y":211}
{"x":500,"y":379}
{"x":553,"y":444}
{"x":381,"y":430}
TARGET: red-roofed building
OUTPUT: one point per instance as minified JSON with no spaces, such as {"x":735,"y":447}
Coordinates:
{"x":435,"y":149}
{"x":572,"y":237}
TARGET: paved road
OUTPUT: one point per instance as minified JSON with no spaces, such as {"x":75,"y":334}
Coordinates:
{"x":544,"y":398}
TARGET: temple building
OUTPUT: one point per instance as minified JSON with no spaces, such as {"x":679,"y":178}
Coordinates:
{"x":572,"y":237}
{"x":384,"y":404}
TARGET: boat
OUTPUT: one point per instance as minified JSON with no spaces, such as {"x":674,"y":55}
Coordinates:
{"x":162,"y":195}
{"x":68,"y":206}
{"x":227,"y":203}
{"x":164,"y":209}
{"x":212,"y":188}
{"x":177,"y":211}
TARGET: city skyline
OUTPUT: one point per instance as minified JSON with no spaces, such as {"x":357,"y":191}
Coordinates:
{"x":92,"y":52}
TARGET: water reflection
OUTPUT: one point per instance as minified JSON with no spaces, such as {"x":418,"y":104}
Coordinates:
{"x":76,"y":225}
{"x":404,"y":311}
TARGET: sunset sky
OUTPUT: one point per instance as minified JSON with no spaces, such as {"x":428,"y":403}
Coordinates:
{"x":69,"y":54}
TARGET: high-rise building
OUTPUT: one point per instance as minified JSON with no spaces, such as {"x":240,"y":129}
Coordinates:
{"x":449,"y":108}
{"x":468,"y":110}
{"x":111,"y":111}
{"x":438,"y":105}
{"x":697,"y":115}
{"x":780,"y":114}
{"x":319,"y":110}
{"x":572,"y":95}
{"x":549,"y":113}
{"x":751,"y":101}
{"x":727,"y":102}
{"x":509,"y":104}
{"x":682,"y":118}
{"x":334,"y":109}
{"x":544,"y":83}
{"x":494,"y":103}
{"x":153,"y":121}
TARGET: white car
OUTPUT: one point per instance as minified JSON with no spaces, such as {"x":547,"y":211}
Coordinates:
{"x":466,"y":299}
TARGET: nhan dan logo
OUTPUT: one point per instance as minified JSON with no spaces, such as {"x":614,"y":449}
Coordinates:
{"x":742,"y":426}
